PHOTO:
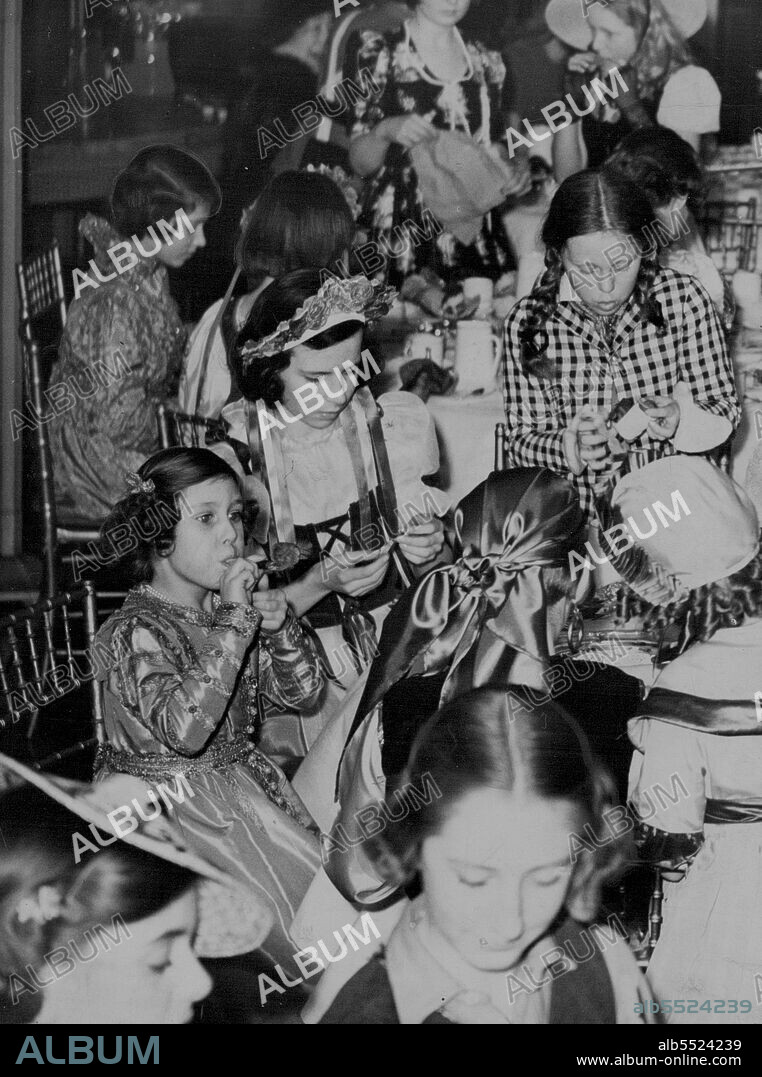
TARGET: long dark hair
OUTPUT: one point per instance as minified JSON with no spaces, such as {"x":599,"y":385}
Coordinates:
{"x":159,"y":181}
{"x":37,"y":851}
{"x":260,"y":378}
{"x":497,"y":739}
{"x":589,"y":201}
{"x":145,"y":522}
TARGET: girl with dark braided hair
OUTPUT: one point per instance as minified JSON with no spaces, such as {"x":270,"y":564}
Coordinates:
{"x":606,"y":327}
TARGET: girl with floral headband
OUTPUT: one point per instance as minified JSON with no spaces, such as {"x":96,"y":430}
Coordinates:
{"x":198,"y":643}
{"x":344,"y":474}
{"x":644,"y":40}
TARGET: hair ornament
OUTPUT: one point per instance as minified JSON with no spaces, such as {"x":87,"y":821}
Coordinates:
{"x":354,"y":299}
{"x":136,"y":485}
{"x":47,"y":904}
{"x":338,"y":176}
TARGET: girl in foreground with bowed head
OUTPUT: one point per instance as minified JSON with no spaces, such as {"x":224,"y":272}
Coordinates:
{"x":496,"y":935}
{"x":111,"y":937}
{"x":606,"y":328}
{"x":197,"y":642}
{"x":344,"y":472}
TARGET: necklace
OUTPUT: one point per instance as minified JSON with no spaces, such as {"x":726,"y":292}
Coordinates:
{"x":426,"y":72}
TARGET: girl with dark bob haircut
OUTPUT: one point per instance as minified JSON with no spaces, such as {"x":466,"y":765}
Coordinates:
{"x":504,"y":877}
{"x":666,"y":168}
{"x":157,"y":182}
{"x":603,"y":294}
{"x":300,"y":220}
{"x":124,"y":322}
{"x":197,"y":644}
{"x":343,"y":470}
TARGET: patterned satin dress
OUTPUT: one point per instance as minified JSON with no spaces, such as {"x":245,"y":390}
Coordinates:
{"x":119,"y":356}
{"x":181,"y":689}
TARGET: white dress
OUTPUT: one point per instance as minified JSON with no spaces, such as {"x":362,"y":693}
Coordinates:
{"x":710,"y":947}
{"x":320,"y":480}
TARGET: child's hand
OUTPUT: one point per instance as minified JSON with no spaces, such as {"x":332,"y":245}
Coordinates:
{"x":587,"y":442}
{"x":472,"y":1008}
{"x":423,"y":541}
{"x":584,"y":62}
{"x":664,"y":415}
{"x":238,"y":581}
{"x":271,"y":604}
{"x":358,"y":579}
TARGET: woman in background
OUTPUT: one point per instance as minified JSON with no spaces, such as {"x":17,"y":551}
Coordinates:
{"x":429,"y":80}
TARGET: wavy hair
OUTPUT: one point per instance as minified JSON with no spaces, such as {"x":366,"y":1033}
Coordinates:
{"x":485,"y":739}
{"x":726,"y":603}
{"x":661,"y":50}
{"x":593,"y":200}
{"x":661,"y":163}
{"x":146,"y":522}
{"x":159,"y":181}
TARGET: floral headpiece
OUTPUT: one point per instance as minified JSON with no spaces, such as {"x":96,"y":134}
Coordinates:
{"x":343,"y":182}
{"x":337,"y":301}
{"x":47,"y":904}
{"x":136,"y":485}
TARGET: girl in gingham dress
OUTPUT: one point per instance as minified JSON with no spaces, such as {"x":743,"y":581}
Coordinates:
{"x":606,"y":327}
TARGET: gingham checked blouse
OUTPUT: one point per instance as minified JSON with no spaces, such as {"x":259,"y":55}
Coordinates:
{"x":638,"y":362}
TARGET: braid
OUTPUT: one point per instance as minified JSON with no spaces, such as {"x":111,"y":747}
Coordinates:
{"x":650,"y":311}
{"x":533,"y":335}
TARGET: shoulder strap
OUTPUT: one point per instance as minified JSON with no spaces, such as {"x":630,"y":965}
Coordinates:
{"x":210,"y":340}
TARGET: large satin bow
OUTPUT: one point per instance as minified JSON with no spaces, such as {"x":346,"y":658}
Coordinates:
{"x":478,"y":615}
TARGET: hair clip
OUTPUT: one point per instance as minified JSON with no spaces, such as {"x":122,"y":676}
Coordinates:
{"x":136,"y":485}
{"x":47,"y":905}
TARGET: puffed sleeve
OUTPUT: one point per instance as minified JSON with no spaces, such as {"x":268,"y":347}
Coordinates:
{"x":690,"y":102}
{"x":667,"y":789}
{"x":179,"y":693}
{"x":367,"y":58}
{"x":289,"y":670}
{"x":411,"y":442}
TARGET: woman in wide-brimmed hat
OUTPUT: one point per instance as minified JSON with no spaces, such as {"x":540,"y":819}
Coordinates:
{"x":104,"y":913}
{"x":645,"y":41}
{"x":697,"y":770}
